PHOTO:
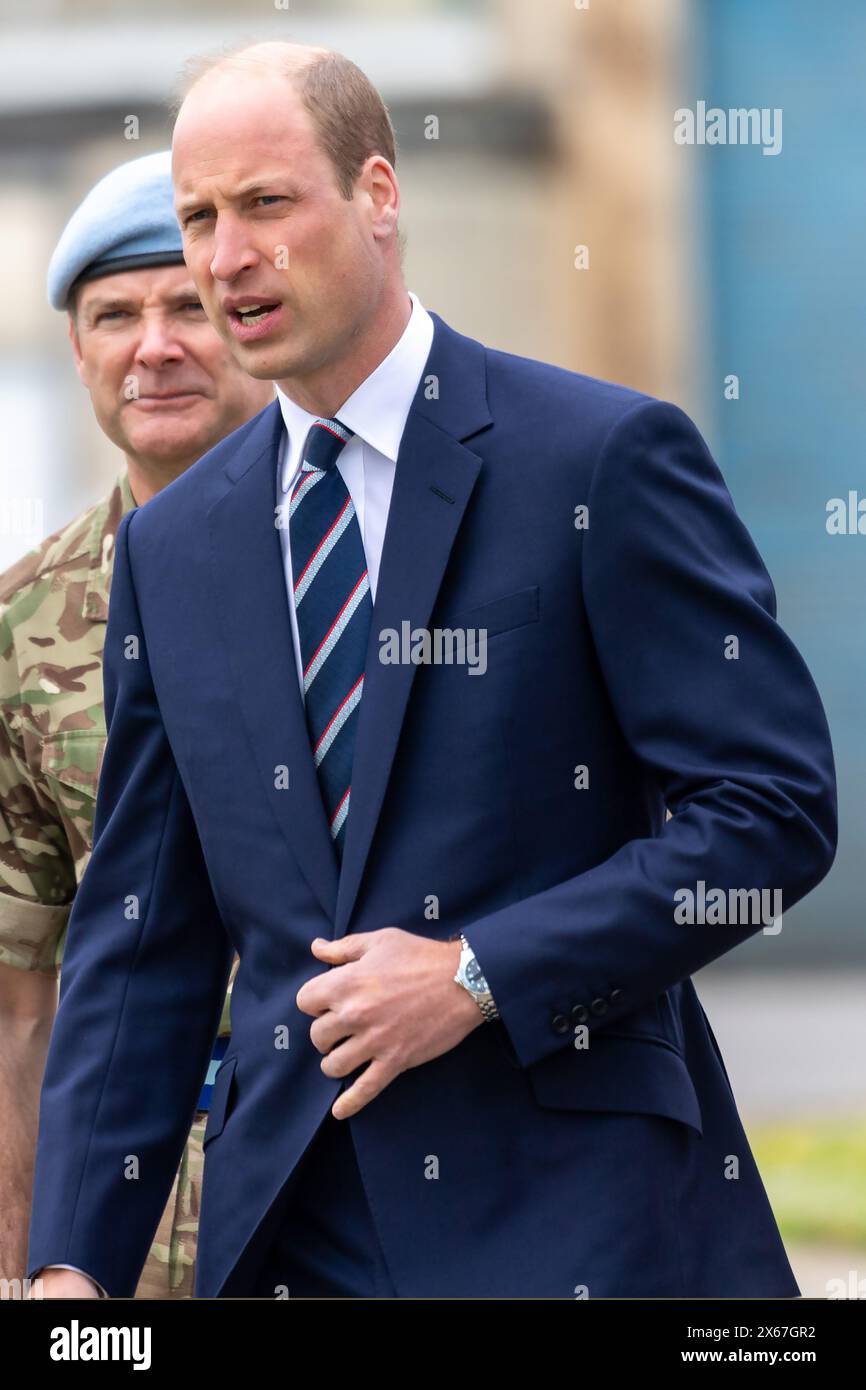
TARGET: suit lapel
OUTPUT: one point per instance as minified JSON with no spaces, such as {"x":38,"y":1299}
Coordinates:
{"x":432,"y":486}
{"x":248,"y":575}
{"x":434,"y":479}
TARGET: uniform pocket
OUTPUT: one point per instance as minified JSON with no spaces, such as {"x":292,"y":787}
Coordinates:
{"x":74,"y":758}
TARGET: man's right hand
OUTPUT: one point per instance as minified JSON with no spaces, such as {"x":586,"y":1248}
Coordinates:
{"x":64,"y":1283}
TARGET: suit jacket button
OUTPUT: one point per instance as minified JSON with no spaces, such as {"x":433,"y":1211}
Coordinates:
{"x":615,"y":997}
{"x":599,"y":1007}
{"x":579,"y":1014}
{"x":559,"y":1023}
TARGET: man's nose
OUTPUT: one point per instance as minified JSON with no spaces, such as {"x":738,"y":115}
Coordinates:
{"x":232,"y":252}
{"x":158,"y":343}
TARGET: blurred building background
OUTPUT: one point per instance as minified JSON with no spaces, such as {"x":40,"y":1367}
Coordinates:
{"x":703,"y":263}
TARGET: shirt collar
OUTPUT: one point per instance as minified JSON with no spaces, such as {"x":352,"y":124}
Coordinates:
{"x":377,"y":410}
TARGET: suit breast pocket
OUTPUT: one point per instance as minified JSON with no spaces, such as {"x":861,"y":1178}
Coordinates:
{"x":500,"y":614}
{"x":618,"y":1072}
{"x":219,"y":1101}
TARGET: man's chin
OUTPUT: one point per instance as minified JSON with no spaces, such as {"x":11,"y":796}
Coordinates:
{"x":171,"y":443}
{"x":272,"y":359}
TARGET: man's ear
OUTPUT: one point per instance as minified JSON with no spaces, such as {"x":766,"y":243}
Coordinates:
{"x":80,"y":365}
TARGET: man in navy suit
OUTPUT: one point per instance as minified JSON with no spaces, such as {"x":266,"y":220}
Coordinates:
{"x":467,"y":1056}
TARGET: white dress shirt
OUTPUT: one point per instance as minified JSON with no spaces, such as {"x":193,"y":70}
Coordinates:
{"x":376,"y":412}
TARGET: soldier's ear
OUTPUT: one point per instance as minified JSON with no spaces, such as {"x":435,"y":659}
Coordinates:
{"x":80,"y":365}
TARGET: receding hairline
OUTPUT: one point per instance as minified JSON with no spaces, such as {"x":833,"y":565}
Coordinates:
{"x":277,"y":57}
{"x":350,"y":119}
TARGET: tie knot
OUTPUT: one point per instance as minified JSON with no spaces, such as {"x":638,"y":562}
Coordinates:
{"x":324,"y":442}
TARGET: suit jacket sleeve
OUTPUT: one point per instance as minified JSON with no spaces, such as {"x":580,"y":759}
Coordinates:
{"x":142,"y":986}
{"x":739,"y":748}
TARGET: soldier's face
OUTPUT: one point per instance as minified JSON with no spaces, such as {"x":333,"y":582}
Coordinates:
{"x":164,"y":387}
{"x":265,"y":227}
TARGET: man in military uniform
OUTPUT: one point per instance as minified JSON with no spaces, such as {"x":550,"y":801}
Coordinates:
{"x":165,"y":390}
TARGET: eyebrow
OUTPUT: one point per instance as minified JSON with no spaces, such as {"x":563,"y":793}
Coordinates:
{"x":245,"y":190}
{"x":94,"y":306}
{"x":103,"y":303}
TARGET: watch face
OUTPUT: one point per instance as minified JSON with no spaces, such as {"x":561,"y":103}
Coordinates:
{"x":474,"y":977}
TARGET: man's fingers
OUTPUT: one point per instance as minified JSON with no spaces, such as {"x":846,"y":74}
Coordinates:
{"x":343,"y":1060}
{"x":316,"y":995}
{"x":350,"y":947}
{"x":369,"y":1084}
{"x":327,"y":1031}
{"x":319,"y":994}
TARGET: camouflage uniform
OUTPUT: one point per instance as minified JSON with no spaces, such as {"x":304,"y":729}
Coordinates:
{"x":53,"y":611}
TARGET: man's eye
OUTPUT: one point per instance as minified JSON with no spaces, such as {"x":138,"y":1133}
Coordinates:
{"x":110,"y":314}
{"x":193,"y":304}
{"x":268,"y":198}
{"x":196,"y":216}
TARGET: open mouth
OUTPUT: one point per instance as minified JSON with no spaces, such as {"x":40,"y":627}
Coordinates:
{"x":251,"y":314}
{"x":254,"y":320}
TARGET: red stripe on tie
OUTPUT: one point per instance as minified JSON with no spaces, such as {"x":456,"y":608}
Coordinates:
{"x":340,"y":804}
{"x":334,"y":623}
{"x":301,"y":481}
{"x":347,"y":503}
{"x":343,"y":702}
{"x":320,"y":426}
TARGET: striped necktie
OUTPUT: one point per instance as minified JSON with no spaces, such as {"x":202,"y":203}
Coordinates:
{"x":334,"y":609}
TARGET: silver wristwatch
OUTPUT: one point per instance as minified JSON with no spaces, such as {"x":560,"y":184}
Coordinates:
{"x":470,"y":977}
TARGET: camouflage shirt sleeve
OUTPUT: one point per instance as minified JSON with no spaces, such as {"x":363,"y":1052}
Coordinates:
{"x":37,"y":871}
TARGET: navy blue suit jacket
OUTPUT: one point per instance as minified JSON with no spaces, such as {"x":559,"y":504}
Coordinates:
{"x":517,"y":1163}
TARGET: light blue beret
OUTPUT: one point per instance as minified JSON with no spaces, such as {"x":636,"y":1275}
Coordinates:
{"x":127,"y":221}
